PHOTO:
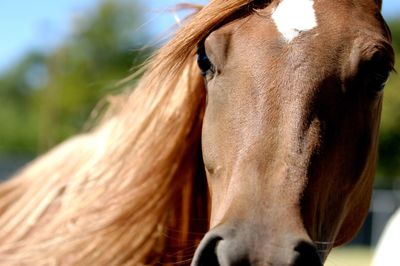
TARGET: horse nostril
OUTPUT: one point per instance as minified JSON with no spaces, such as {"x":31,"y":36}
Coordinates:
{"x":308,"y":255}
{"x":205,"y":254}
{"x":222,"y":246}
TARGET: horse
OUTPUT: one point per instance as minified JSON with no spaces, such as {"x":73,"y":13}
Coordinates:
{"x":262,"y":152}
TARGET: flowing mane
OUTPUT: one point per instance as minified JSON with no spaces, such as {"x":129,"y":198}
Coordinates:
{"x":123,"y":192}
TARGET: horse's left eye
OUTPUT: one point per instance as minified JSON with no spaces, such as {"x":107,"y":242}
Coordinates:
{"x":377,"y":73}
{"x":379,"y":79}
{"x":204,"y":63}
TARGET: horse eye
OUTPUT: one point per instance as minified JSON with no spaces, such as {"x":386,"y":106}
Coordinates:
{"x":379,"y":80}
{"x":378,"y":70}
{"x":204,"y":63}
{"x":259,"y":4}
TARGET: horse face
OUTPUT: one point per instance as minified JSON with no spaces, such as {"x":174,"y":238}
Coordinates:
{"x":290,"y":130}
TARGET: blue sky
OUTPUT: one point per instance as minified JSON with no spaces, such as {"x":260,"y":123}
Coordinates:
{"x":42,"y":24}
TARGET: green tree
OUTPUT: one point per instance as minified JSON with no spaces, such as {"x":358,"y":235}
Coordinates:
{"x":19,"y":130}
{"x":47,"y":98}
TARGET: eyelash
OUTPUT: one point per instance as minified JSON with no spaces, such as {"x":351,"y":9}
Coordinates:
{"x":205,"y":65}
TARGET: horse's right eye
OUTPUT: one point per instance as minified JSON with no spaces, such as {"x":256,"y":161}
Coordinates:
{"x":204,"y":63}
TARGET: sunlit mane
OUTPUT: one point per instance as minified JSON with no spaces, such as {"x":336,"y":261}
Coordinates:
{"x":122,"y":193}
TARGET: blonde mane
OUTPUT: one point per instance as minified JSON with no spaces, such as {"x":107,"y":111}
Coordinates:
{"x":131,"y":191}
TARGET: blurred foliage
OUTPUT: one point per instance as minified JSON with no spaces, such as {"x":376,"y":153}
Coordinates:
{"x":389,"y":149}
{"x":47,"y":97}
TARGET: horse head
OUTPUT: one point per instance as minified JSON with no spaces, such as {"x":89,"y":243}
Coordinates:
{"x":290,"y":132}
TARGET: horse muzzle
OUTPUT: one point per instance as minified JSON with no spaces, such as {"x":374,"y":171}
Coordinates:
{"x":232,"y":246}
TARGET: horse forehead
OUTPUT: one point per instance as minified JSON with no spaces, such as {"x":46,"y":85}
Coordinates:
{"x":292,"y":17}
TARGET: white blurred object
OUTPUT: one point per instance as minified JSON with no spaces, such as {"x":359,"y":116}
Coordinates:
{"x":388,"y":249}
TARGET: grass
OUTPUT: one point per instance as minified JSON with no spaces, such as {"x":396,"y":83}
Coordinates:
{"x":350,"y":256}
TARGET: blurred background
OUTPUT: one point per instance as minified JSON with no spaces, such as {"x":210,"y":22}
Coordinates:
{"x":59,"y":58}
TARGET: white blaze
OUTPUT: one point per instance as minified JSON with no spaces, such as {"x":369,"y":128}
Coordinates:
{"x":293,"y":17}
